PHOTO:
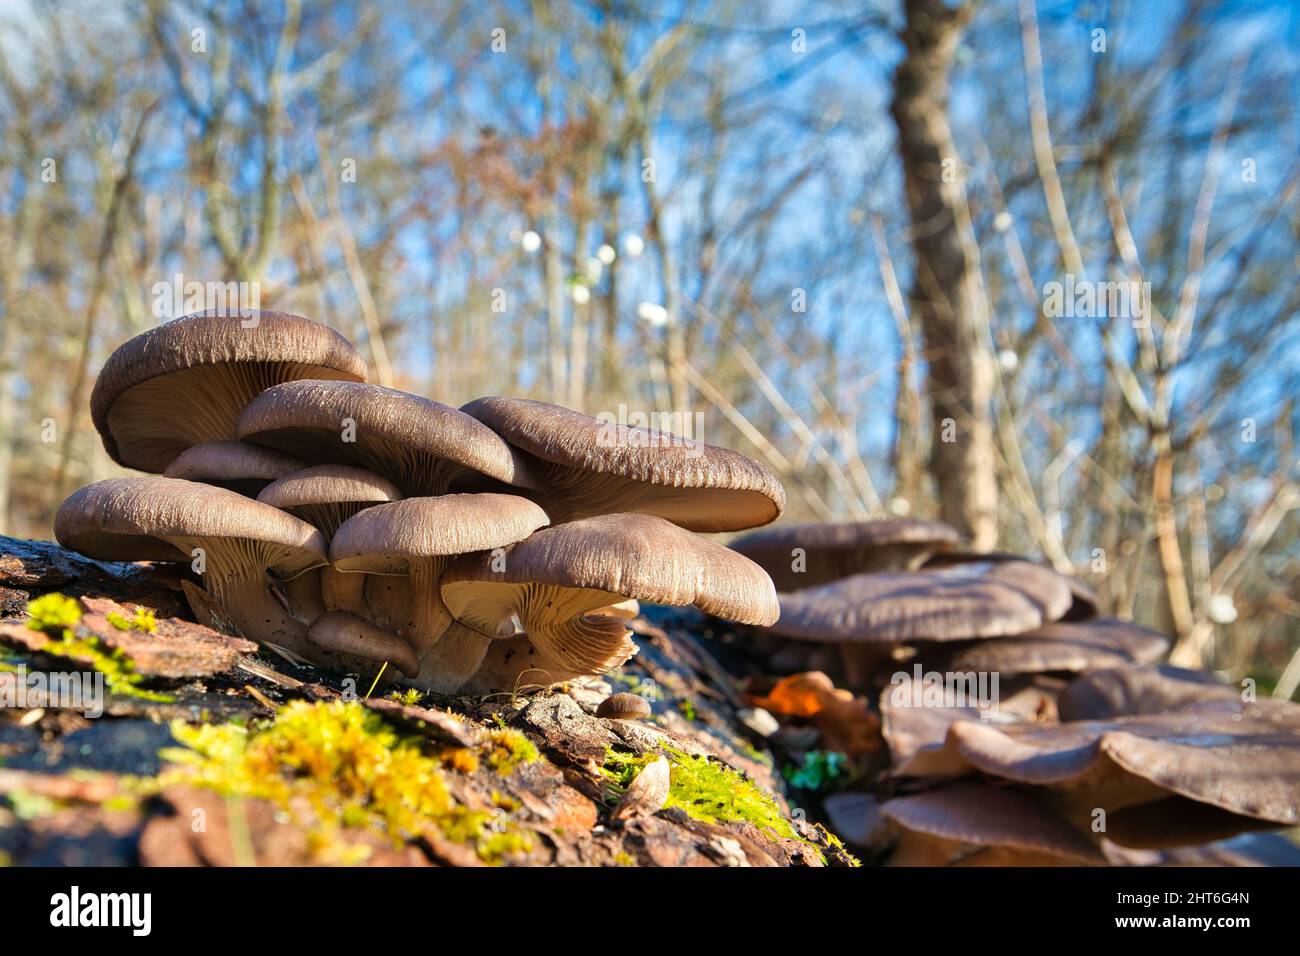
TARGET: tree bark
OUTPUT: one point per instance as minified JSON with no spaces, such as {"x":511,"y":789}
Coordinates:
{"x":947,"y":293}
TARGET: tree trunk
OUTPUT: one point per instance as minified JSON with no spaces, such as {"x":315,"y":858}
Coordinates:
{"x":947,"y":294}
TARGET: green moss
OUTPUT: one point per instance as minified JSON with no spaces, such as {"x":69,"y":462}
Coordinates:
{"x":686,"y":708}
{"x":57,"y":615}
{"x":704,"y":789}
{"x":336,"y":766}
{"x":410,"y":697}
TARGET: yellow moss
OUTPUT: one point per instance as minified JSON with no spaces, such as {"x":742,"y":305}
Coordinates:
{"x":506,"y":749}
{"x":143,"y":620}
{"x":344,"y":763}
{"x":460,"y":758}
{"x":410,"y":697}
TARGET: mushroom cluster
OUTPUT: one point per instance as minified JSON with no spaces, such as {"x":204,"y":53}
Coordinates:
{"x":501,"y":545}
{"x":1085,"y":751}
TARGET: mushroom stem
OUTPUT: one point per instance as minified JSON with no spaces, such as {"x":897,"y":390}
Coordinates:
{"x":513,"y":665}
{"x":343,"y":591}
{"x":236,"y":578}
{"x":454,"y":659}
{"x":345,"y":633}
{"x":258,"y":615}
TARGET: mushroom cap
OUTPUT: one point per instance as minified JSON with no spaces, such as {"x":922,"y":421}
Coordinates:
{"x":1074,"y":647}
{"x":981,"y":815}
{"x":419,"y":444}
{"x":633,"y":555}
{"x":389,"y":538}
{"x":598,"y":468}
{"x":130,"y":519}
{"x":1241,"y":757}
{"x":965,"y":601}
{"x":1084,"y":606}
{"x":189,"y":379}
{"x":327,"y":485}
{"x":236,"y":465}
{"x":1136,"y":691}
{"x":834,"y":550}
{"x":623,"y":707}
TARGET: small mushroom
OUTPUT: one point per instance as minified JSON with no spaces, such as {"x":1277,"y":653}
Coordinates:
{"x":234,"y":465}
{"x":417,"y":538}
{"x":349,"y":634}
{"x":553,"y":580}
{"x":245,"y":544}
{"x":624,"y":707}
{"x":831,"y":551}
{"x":595,"y":468}
{"x":185,"y":382}
{"x":422,"y":446}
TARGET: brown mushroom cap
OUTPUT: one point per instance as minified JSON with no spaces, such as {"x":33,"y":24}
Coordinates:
{"x":1241,"y":757}
{"x":421,"y":445}
{"x":976,"y":814}
{"x":1085,"y":603}
{"x":327,"y":495}
{"x":595,"y":468}
{"x":624,"y":707}
{"x":961,"y":602}
{"x":1074,"y":647}
{"x":1134,"y":691}
{"x":185,"y":382}
{"x":627,"y":556}
{"x":555,"y":579}
{"x":834,"y":550}
{"x":234,"y":465}
{"x":165,"y":519}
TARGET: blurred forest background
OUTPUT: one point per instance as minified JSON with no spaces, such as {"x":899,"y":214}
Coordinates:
{"x":825,"y":229}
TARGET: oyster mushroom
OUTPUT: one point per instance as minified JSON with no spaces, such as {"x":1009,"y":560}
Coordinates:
{"x":325,"y":496}
{"x":947,"y":604}
{"x":553,"y":581}
{"x":1238,"y":757}
{"x":876,"y":613}
{"x":234,"y":465}
{"x":974,"y":824}
{"x":245,"y":545}
{"x":831,"y":551}
{"x":185,"y":382}
{"x":595,"y":468}
{"x":1094,"y":644}
{"x":417,"y":538}
{"x":422,"y":446}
